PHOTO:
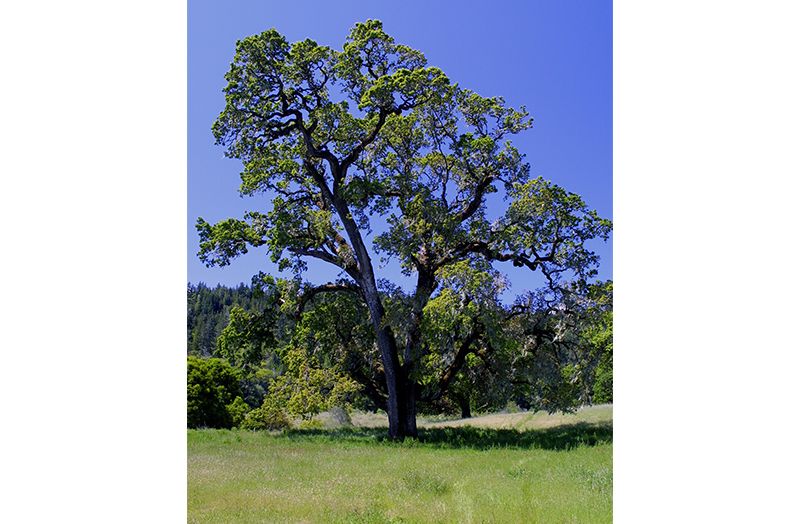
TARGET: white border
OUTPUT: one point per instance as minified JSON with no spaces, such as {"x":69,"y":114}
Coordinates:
{"x":706,"y":143}
{"x":93,"y":212}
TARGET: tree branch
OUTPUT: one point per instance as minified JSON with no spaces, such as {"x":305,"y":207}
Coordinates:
{"x":318,"y":253}
{"x":353,"y":155}
{"x":477,"y":199}
{"x":324,"y":288}
{"x":455,"y":366}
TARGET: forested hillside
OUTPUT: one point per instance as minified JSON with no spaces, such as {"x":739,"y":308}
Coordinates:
{"x":208,"y":312}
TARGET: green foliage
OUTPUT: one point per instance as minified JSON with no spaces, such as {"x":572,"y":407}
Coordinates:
{"x":237,"y":410}
{"x":248,"y":338}
{"x":208,"y":312}
{"x":599,"y":335}
{"x":267,"y":417}
{"x":604,"y":383}
{"x":255,"y":382}
{"x":311,"y":424}
{"x":307,"y":389}
{"x":416,"y":135}
{"x":336,"y":333}
{"x":553,"y":225}
{"x":212,"y":385}
{"x":554,"y":364}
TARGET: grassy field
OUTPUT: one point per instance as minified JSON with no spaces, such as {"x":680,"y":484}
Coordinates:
{"x":515,"y":467}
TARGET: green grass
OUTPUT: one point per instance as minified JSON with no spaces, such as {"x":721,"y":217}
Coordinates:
{"x":557,"y":473}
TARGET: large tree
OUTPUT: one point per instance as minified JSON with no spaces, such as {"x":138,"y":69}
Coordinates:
{"x":371,"y":136}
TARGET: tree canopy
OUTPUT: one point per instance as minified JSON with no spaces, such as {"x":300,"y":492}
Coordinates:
{"x":371,"y":141}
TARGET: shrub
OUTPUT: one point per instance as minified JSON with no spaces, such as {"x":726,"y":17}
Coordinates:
{"x":238,"y":410}
{"x":311,"y":424}
{"x":268,"y":416}
{"x":212,"y":384}
{"x":308,"y":388}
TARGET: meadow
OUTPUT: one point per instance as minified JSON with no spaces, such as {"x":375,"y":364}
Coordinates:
{"x":508,"y":467}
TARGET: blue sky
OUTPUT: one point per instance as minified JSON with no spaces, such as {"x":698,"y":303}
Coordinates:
{"x":552,"y":56}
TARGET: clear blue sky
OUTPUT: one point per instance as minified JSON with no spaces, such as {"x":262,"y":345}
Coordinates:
{"x":553,"y":56}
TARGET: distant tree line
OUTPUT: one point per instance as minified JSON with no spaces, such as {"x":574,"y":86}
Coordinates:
{"x":208,"y":312}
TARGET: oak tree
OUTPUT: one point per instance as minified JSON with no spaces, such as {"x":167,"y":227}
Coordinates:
{"x":368,"y":151}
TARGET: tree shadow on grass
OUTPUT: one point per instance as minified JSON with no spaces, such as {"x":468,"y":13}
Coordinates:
{"x":564,"y":437}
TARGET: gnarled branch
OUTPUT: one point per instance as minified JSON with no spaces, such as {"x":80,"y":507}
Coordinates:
{"x":330,"y":287}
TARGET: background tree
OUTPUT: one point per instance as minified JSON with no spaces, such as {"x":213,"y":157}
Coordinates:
{"x":599,"y":335}
{"x":371,"y":132}
{"x":209,"y":311}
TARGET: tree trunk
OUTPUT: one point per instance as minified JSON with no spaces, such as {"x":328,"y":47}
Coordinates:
{"x":409,"y":395}
{"x":463,"y":403}
{"x":425,"y":286}
{"x":397,"y":407}
{"x":391,"y":368}
{"x":387,"y":345}
{"x":401,"y":403}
